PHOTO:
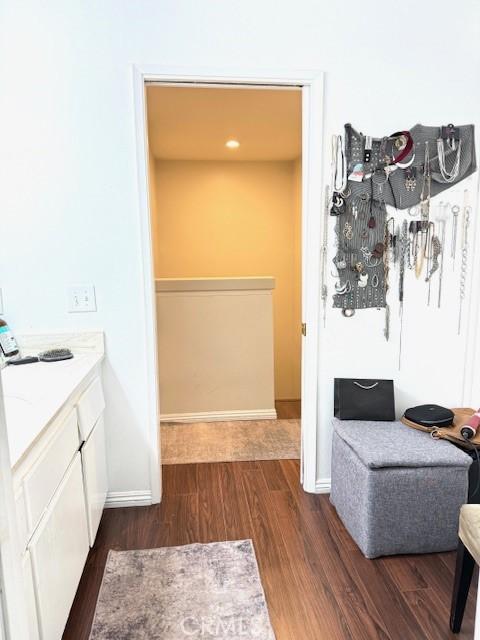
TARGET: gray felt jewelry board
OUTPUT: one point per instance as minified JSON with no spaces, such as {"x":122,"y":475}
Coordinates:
{"x":403,"y":170}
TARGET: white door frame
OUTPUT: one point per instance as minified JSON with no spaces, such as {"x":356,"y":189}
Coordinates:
{"x":312,"y":84}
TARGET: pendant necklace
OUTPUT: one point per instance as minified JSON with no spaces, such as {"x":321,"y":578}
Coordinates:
{"x":338,"y":197}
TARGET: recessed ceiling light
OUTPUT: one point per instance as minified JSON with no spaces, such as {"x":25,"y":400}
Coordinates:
{"x":232,"y":144}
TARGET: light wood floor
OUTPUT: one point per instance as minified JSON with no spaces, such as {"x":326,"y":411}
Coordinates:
{"x":317,"y":583}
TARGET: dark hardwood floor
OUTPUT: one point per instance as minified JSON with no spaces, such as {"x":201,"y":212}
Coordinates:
{"x":317,"y":583}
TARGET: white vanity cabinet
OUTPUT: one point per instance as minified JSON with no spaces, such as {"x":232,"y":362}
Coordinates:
{"x":60,"y":486}
{"x":44,"y":477}
{"x":2,"y":621}
{"x":29,"y":591}
{"x":58,"y":551}
{"x":94,"y":464}
{"x":95,"y":476}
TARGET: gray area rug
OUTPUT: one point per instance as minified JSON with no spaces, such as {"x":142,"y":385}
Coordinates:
{"x":206,"y":591}
{"x":234,"y":441}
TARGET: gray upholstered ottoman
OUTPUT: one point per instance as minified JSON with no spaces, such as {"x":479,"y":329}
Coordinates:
{"x":396,"y":489}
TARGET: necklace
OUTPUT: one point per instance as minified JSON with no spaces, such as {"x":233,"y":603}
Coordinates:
{"x":467,"y":210}
{"x":404,"y":244}
{"x":435,"y":250}
{"x":420,"y":248}
{"x":448,"y":176}
{"x":426,"y":186}
{"x":386,"y":268}
{"x":455,"y":212}
{"x":339,"y":177}
{"x":442,"y":222}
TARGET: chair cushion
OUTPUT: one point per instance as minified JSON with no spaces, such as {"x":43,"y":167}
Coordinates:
{"x":393,"y":444}
{"x":469,"y":531}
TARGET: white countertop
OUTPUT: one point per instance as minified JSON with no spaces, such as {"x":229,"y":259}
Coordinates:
{"x":34,"y":393}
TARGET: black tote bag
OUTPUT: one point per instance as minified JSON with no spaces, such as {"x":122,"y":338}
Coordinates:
{"x":359,"y":399}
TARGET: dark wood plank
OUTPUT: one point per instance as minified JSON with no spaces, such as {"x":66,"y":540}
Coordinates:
{"x":274,"y":476}
{"x":326,"y":620}
{"x":317,"y":583}
{"x":287,"y":607}
{"x":185,"y":479}
{"x":433,"y":617}
{"x":238,"y":524}
{"x":211,"y":517}
{"x":405,"y":572}
{"x":291,"y":471}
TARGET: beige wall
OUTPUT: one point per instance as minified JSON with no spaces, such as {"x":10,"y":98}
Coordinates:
{"x":219,"y":368}
{"x":152,"y":201}
{"x":221,"y":219}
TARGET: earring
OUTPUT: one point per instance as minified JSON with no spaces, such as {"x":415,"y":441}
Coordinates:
{"x":363,"y":280}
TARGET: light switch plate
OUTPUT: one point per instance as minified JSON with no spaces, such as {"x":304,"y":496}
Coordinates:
{"x":81,"y":298}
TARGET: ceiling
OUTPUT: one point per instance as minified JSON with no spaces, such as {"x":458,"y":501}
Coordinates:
{"x":186,"y":123}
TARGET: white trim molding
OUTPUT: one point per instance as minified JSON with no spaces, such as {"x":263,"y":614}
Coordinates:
{"x":323,"y":485}
{"x":128,"y":499}
{"x":312,"y":86}
{"x":220,"y":416}
{"x":214,"y":284}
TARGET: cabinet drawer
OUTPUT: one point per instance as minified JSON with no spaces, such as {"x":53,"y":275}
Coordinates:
{"x":94,"y":465}
{"x":58,"y":550}
{"x":42,"y":480}
{"x":89,"y":407}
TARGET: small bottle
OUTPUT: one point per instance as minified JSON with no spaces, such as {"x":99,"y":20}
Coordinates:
{"x":8,"y":344}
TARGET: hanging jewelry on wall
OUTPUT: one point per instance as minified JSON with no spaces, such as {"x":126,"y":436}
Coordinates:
{"x":442,"y":224}
{"x":420,"y":247}
{"x":411,"y":178}
{"x":338,"y":177}
{"x":404,"y":243}
{"x":370,"y":174}
{"x":433,"y":263}
{"x":426,"y":187}
{"x":455,"y":213}
{"x":448,"y":176}
{"x":386,"y":267}
{"x":467,"y":210}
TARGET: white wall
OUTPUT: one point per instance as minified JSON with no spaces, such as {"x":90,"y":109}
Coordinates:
{"x":68,"y":186}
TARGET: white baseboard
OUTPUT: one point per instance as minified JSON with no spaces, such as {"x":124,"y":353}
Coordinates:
{"x":220,"y":416}
{"x":323,"y":485}
{"x":128,"y":499}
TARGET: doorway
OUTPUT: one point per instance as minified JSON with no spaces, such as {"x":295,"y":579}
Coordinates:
{"x":225,"y":202}
{"x":312,"y":92}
